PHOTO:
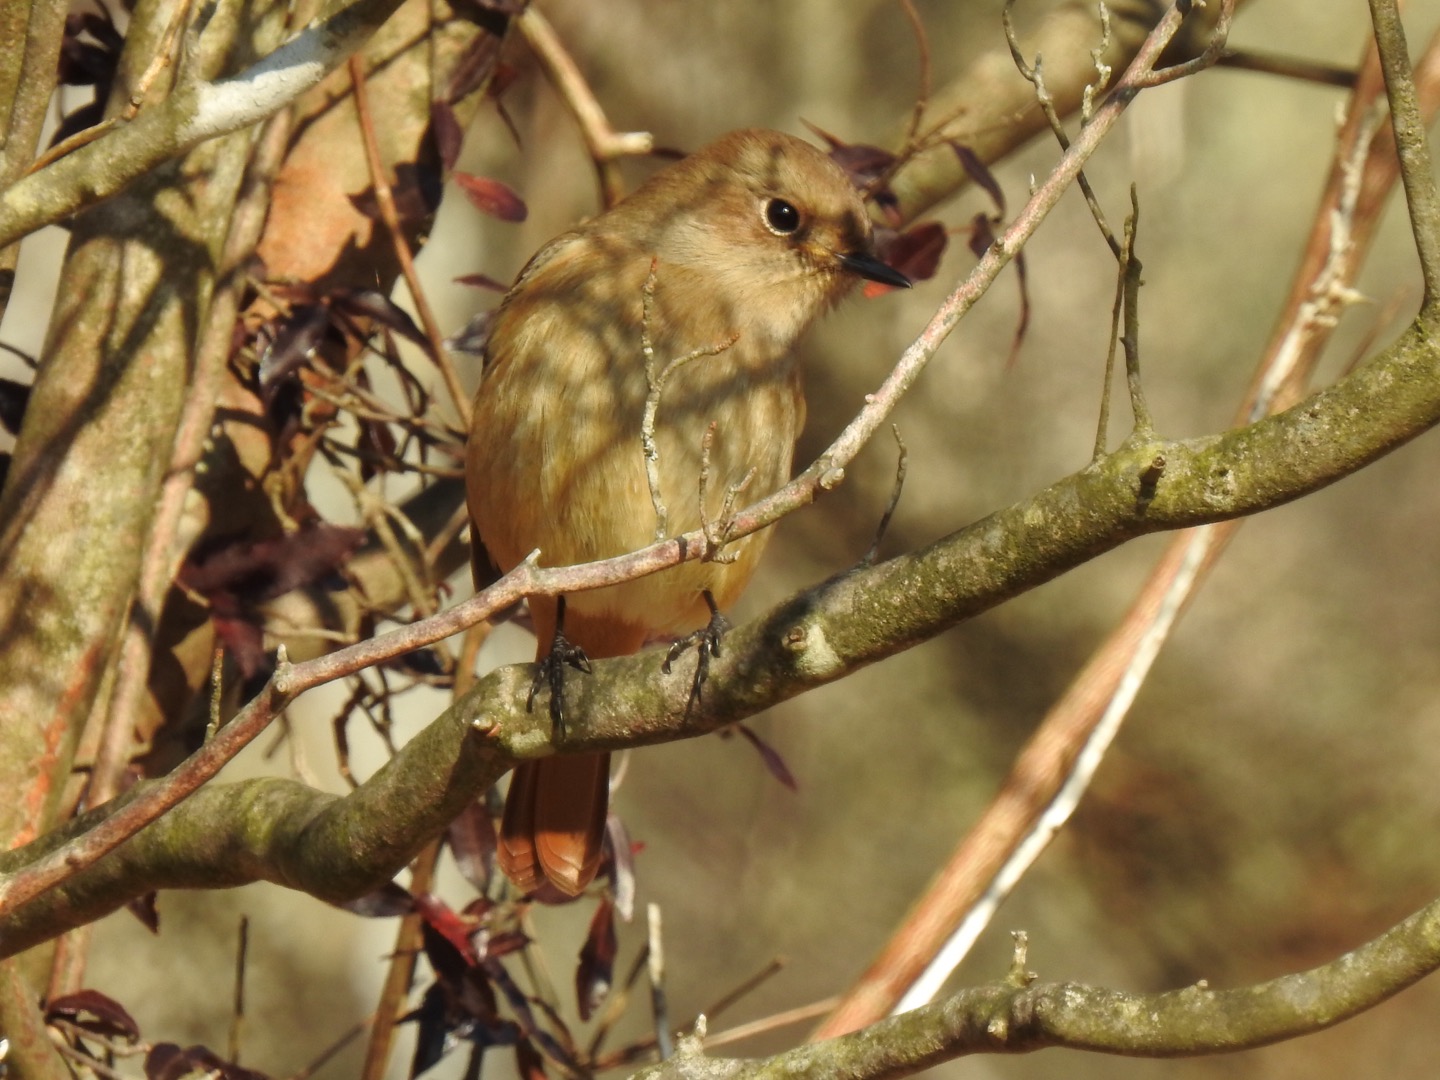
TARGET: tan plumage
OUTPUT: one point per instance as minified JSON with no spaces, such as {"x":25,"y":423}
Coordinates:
{"x":554,"y":459}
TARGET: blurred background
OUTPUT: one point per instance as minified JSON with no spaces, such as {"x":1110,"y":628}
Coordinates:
{"x":1270,"y":803}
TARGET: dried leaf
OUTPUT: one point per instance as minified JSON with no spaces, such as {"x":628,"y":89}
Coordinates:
{"x":595,"y":973}
{"x":483,"y":281}
{"x":166,"y":1061}
{"x":477,"y":68}
{"x":773,"y":761}
{"x":259,"y":570}
{"x":492,"y":197}
{"x":295,"y":340}
{"x":14,"y":396}
{"x":979,"y":172}
{"x":505,"y":943}
{"x":95,"y":1012}
{"x":386,"y":902}
{"x":451,"y":928}
{"x":370,"y":304}
{"x":916,"y":253}
{"x":144,"y":909}
{"x":447,"y":132}
{"x":471,"y":837}
{"x":863,"y":162}
{"x":620,"y":865}
{"x":529,"y":1065}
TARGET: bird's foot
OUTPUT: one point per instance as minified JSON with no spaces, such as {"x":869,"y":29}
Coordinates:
{"x":707,"y":640}
{"x":550,"y":671}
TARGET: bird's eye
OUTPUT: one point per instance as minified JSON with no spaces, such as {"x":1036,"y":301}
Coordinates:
{"x":782,"y":217}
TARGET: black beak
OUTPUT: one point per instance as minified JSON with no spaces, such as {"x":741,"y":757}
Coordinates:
{"x":871,"y":268}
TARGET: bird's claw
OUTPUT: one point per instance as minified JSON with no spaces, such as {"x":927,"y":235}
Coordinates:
{"x":707,"y":639}
{"x":550,"y":671}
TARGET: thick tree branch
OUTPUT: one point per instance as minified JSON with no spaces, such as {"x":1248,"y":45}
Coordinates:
{"x":336,"y":848}
{"x":1018,"y":1017}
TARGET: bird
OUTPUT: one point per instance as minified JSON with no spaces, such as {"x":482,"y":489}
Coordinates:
{"x":702,"y":280}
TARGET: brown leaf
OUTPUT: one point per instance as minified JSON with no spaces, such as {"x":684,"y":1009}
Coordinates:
{"x":863,"y":162}
{"x":492,"y":197}
{"x":471,"y":837}
{"x":595,"y":972}
{"x":259,"y":570}
{"x":916,"y":253}
{"x":441,"y":918}
{"x":95,"y":1012}
{"x":773,"y":761}
{"x":144,"y":909}
{"x":529,"y":1065}
{"x":979,"y":172}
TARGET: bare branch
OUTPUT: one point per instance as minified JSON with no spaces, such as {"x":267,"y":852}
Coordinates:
{"x":189,"y":116}
{"x":1411,"y":139}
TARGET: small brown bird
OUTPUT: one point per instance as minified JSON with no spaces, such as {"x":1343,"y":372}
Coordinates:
{"x":729,"y":254}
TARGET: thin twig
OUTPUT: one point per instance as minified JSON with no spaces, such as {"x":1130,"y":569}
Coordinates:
{"x":162,"y":59}
{"x":717,"y":531}
{"x":798,"y":1015}
{"x":657,"y":375}
{"x":922,"y":48}
{"x":902,"y":459}
{"x":1411,"y":138}
{"x":237,"y":1012}
{"x":605,"y":144}
{"x":655,"y":966}
{"x":401,"y":973}
{"x":1289,"y":67}
{"x":1130,"y":340}
{"x":385,"y":202}
{"x":355,"y":1031}
{"x":1035,"y":75}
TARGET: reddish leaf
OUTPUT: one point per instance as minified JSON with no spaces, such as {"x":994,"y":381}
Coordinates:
{"x":483,"y":281}
{"x":447,"y":132}
{"x":529,"y":1065}
{"x":595,"y":972}
{"x":370,"y":304}
{"x":492,"y":197}
{"x":441,"y":918}
{"x":255,"y":571}
{"x":472,"y":841}
{"x":773,"y":761}
{"x":505,"y":943}
{"x":296,"y":338}
{"x":864,"y":163}
{"x":166,"y":1061}
{"x":915,"y":253}
{"x":241,"y":636}
{"x":979,"y":172}
{"x":1022,"y":324}
{"x":95,"y":1012}
{"x":620,"y":865}
{"x":143,"y":908}
{"x":982,"y":235}
{"x":386,"y":902}
{"x":477,"y":67}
